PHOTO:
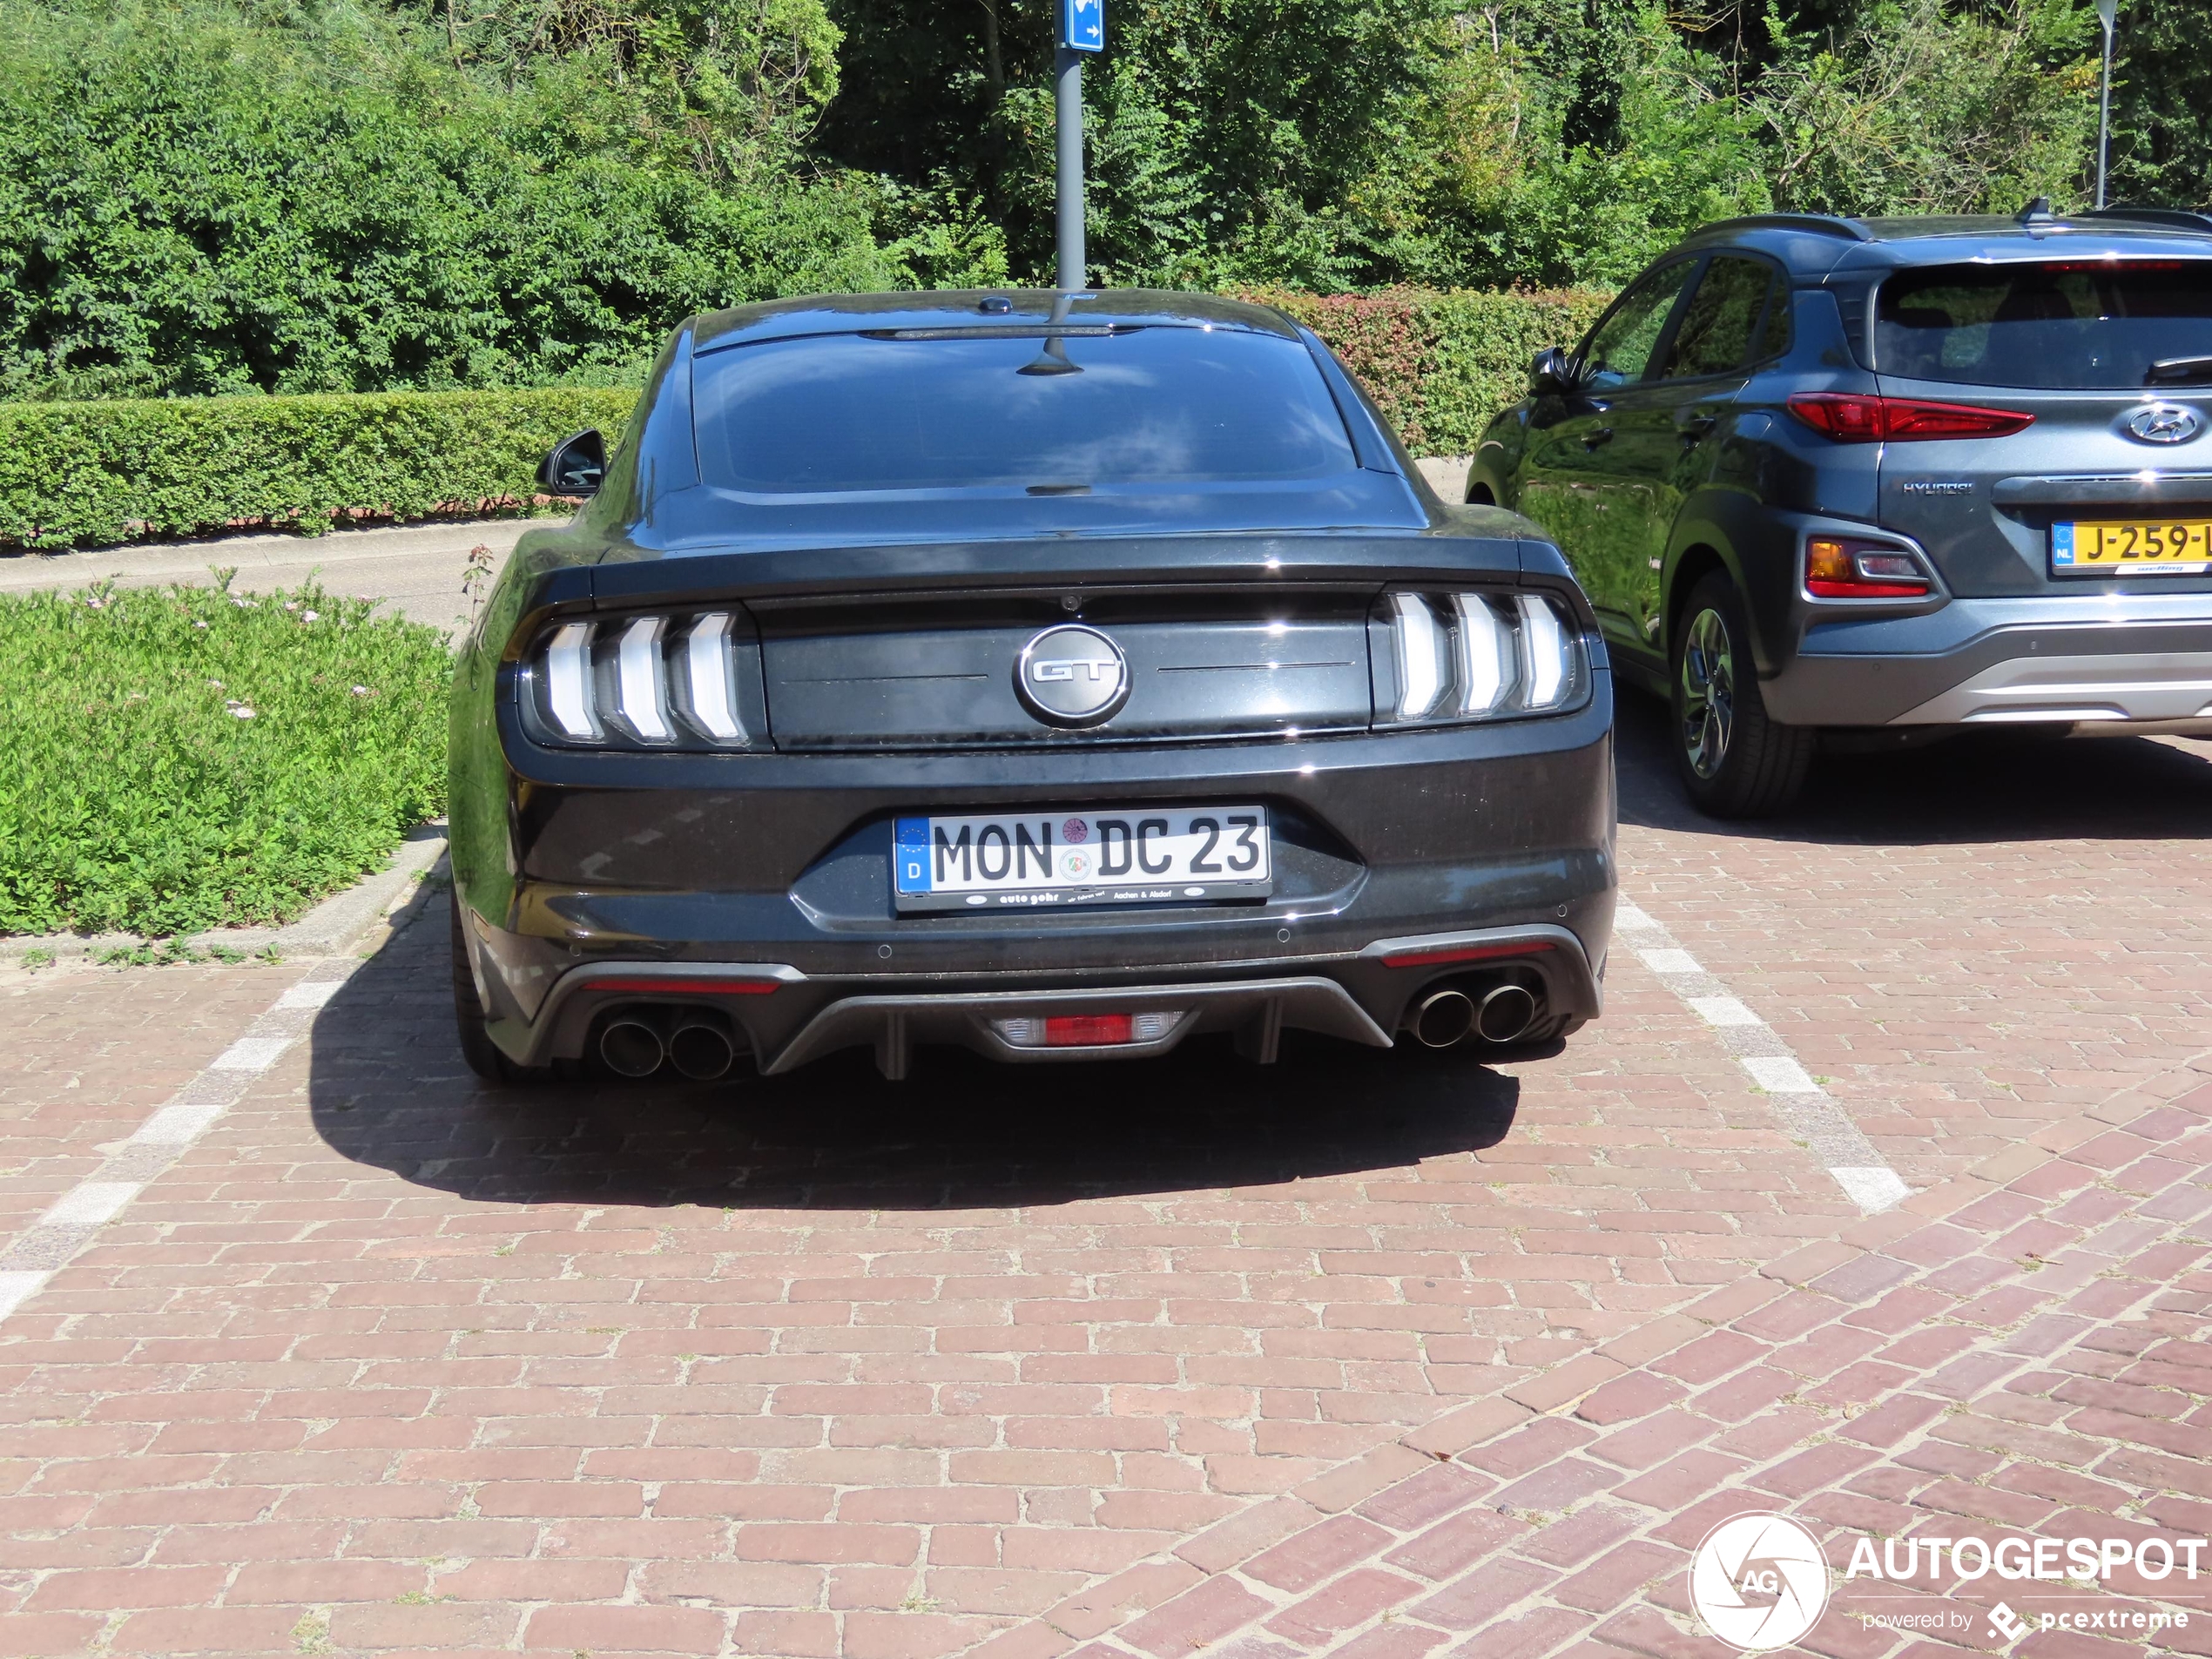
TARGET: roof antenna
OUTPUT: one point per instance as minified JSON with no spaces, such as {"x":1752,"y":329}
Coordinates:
{"x":1053,"y":360}
{"x":2038,"y":213}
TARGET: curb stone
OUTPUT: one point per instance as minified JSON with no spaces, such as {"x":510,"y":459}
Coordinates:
{"x":332,"y":929}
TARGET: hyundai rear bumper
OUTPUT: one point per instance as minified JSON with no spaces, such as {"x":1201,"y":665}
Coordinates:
{"x":2121,"y":661}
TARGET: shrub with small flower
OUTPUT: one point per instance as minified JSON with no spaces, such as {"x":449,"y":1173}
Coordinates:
{"x":180,"y":759}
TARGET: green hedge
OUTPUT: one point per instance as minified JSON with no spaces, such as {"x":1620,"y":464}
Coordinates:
{"x":180,"y":759}
{"x":1441,"y":365}
{"x":1441,"y":362}
{"x":121,"y":470}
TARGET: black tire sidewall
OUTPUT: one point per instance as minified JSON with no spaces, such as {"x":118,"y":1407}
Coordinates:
{"x":1764,"y":765}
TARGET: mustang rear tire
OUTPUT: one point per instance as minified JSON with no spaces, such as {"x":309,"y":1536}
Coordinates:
{"x":484,"y":1057}
{"x":1735,"y":760}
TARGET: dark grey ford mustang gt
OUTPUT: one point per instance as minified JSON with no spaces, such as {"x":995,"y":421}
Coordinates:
{"x":1061,"y":675}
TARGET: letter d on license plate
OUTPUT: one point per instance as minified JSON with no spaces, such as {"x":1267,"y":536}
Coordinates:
{"x":1045,"y":859}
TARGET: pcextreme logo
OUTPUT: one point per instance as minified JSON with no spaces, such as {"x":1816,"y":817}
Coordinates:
{"x":1761,"y":1580}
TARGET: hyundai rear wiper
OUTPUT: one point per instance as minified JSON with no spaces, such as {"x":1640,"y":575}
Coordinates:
{"x":2177,"y":371}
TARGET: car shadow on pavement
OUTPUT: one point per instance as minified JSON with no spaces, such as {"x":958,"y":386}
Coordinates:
{"x":1987,"y":785}
{"x":388,"y":1089}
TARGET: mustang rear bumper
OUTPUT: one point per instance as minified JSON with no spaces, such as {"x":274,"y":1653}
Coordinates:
{"x":649,"y":871}
{"x":788,"y":1018}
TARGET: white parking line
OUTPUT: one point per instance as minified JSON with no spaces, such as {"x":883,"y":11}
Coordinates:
{"x":71,"y":1222}
{"x":90,"y":1204}
{"x":19,"y":1287}
{"x":251,"y":1054}
{"x":1806,"y":1109}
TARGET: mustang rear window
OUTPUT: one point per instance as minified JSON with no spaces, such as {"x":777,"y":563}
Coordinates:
{"x":1153,"y":405}
{"x":2090,"y":325}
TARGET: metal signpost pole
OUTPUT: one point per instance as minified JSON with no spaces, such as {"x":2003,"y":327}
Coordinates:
{"x":2108,"y":13}
{"x":1082,"y":31}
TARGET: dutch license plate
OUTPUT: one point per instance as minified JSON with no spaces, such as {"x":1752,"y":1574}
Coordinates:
{"x":2124,"y":546}
{"x":1048,"y":860}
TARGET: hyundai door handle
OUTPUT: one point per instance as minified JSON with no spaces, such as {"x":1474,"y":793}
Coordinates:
{"x":1696,"y":427}
{"x":1591,"y":440}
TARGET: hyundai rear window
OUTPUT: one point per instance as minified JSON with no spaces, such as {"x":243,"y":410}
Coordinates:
{"x":2086,"y":325}
{"x":918,"y":410}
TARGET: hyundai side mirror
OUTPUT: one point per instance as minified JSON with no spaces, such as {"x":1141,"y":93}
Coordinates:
{"x":575,"y":465}
{"x":1551,"y":373}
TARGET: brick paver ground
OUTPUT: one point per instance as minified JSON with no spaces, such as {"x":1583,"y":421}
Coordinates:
{"x":1969,"y":940}
{"x":389,"y":1362}
{"x":2022,"y":1354}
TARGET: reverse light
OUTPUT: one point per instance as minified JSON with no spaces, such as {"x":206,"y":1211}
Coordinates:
{"x":1087,"y":1030}
{"x":646,"y":682}
{"x":1848,"y":418}
{"x":1839,"y":568}
{"x":1479,"y":656}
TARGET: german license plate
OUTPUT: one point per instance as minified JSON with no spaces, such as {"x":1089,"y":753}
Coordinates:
{"x":2127,"y":546}
{"x":1051,"y":859}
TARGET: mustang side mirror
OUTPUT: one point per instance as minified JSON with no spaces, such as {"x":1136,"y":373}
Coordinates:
{"x":1551,"y":373}
{"x":575,"y":464}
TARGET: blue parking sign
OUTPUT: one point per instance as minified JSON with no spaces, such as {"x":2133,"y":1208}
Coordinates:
{"x":1083,"y":25}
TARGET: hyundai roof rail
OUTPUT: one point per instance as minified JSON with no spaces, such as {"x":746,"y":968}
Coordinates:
{"x":2177,"y":218}
{"x":1818,"y":224}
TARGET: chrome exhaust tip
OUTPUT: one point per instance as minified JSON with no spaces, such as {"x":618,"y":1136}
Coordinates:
{"x":700,"y":1050}
{"x":1505,"y":1012}
{"x":1443,"y":1018}
{"x":631,"y":1047}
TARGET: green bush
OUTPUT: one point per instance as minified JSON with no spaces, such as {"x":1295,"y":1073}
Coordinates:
{"x":174,"y":761}
{"x":118,"y":470}
{"x":1441,"y":364}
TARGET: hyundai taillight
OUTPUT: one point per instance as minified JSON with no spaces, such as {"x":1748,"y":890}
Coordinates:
{"x":1849,"y":418}
{"x":1841,"y":568}
{"x":642,"y":682}
{"x":1481,"y":656}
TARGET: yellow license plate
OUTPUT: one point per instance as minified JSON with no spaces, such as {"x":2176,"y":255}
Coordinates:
{"x":2117,"y":546}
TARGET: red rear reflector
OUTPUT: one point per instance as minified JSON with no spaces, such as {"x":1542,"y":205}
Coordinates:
{"x":1464,"y":953}
{"x":1086,"y":1030}
{"x":686,"y":987}
{"x":1848,"y":418}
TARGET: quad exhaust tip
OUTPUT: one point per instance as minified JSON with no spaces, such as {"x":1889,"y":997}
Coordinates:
{"x":1443,"y":1017}
{"x":631,"y":1047}
{"x":1449,"y":1015}
{"x":700,"y":1050}
{"x":638,"y":1042}
{"x":1505,"y":1012}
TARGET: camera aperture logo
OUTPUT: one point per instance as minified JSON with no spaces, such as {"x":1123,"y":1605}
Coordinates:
{"x":1758,"y":1582}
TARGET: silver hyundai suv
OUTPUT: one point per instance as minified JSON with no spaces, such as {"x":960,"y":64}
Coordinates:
{"x":1886,"y":478}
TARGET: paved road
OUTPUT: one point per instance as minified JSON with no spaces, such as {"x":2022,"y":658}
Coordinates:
{"x":371,"y":1359}
{"x":419,"y":568}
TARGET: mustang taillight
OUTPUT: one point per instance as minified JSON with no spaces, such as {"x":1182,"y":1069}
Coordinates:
{"x":1483,"y":656}
{"x":639,"y":682}
{"x":1849,"y":418}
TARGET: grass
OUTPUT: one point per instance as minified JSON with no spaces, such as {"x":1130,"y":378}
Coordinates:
{"x":181,"y":758}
